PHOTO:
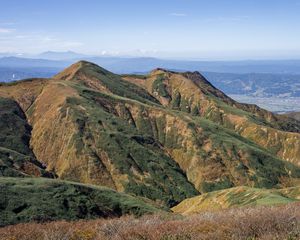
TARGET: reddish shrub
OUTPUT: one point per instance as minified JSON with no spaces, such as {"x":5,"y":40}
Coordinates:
{"x":265,"y":223}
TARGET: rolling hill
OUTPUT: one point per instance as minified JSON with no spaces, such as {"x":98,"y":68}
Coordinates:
{"x":37,"y":199}
{"x":237,"y":197}
{"x":165,"y":136}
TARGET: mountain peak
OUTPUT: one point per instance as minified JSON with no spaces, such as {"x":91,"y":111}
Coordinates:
{"x":160,"y":71}
{"x":165,"y":137}
{"x":80,"y":67}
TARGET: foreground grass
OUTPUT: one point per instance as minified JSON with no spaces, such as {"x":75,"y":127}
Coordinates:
{"x":40,"y":199}
{"x":280,"y":222}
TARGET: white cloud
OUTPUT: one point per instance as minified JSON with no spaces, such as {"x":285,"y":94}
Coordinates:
{"x":6,"y":30}
{"x":178,"y":14}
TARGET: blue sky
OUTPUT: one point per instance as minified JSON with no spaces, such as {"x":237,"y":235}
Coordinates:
{"x":212,"y":29}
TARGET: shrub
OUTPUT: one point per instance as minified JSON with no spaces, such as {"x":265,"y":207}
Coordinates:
{"x":265,"y":223}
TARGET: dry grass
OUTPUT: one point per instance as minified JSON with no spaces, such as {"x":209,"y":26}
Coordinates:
{"x":281,"y":222}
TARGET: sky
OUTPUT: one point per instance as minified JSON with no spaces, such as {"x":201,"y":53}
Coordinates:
{"x":189,"y":29}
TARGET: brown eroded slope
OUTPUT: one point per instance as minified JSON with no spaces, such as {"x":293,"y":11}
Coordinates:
{"x":165,"y":144}
{"x":192,"y":93}
{"x":24,"y":92}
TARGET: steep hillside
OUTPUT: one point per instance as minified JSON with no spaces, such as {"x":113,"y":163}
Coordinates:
{"x":166,"y":136}
{"x":97,"y":78}
{"x":192,"y":93}
{"x":24,"y":92}
{"x":16,"y":157}
{"x":40,"y":199}
{"x":79,"y":136}
{"x":237,"y":197}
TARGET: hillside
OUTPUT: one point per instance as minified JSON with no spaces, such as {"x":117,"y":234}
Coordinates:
{"x":166,"y":136}
{"x":38,"y":199}
{"x":192,"y":93}
{"x":16,"y":156}
{"x":237,"y":197}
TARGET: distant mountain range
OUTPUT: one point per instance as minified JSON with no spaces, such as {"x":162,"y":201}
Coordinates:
{"x":295,"y":115}
{"x":146,"y":64}
{"x":51,"y":55}
{"x":284,"y":80}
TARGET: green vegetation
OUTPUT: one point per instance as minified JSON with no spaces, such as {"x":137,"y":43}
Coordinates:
{"x":114,"y":83}
{"x":237,"y":197}
{"x":138,"y":76}
{"x":159,"y":87}
{"x":16,"y":157}
{"x":133,"y":151}
{"x":38,"y":199}
{"x":14,"y":129}
{"x":91,"y":126}
{"x":176,"y":99}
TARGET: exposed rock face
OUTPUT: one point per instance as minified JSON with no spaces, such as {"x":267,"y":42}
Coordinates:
{"x":166,"y":136}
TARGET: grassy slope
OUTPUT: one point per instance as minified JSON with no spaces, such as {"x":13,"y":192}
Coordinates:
{"x":100,"y":79}
{"x":16,"y":157}
{"x":237,"y":197}
{"x":220,"y":164}
{"x":260,"y":162}
{"x":207,"y":171}
{"x":24,"y":92}
{"x":15,"y":132}
{"x":91,"y":126}
{"x":193,"y":94}
{"x":83,"y":140}
{"x":40,"y":199}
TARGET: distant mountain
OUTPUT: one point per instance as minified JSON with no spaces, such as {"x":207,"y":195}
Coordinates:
{"x":69,"y":55}
{"x":142,"y":65}
{"x":15,"y":62}
{"x":252,"y":84}
{"x":295,"y":115}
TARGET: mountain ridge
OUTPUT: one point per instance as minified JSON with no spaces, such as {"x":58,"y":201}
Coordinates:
{"x":165,"y":136}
